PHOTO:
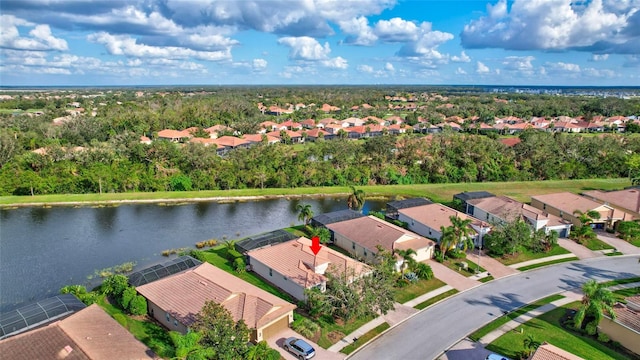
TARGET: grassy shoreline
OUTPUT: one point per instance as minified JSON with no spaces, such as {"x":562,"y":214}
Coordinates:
{"x":520,"y":190}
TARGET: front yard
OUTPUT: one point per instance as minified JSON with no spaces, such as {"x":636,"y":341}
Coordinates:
{"x":526,"y":255}
{"x":548,"y":327}
{"x":413,"y":290}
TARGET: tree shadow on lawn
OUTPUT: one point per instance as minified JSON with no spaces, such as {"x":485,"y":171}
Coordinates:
{"x":506,"y":302}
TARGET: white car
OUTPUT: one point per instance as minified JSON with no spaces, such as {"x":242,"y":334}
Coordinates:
{"x":496,"y":357}
{"x":300,"y":348}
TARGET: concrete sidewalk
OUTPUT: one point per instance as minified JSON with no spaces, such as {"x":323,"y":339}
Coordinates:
{"x":542,"y":260}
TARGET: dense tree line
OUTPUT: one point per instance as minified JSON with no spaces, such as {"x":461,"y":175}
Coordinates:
{"x":124,"y":164}
{"x":112,"y":159}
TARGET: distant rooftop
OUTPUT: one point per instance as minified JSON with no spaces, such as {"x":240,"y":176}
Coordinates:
{"x":407,"y":203}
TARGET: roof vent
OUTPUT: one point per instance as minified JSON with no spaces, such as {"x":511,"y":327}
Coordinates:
{"x":202,"y":283}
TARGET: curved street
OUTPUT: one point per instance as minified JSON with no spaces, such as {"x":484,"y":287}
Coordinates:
{"x":434,"y":330}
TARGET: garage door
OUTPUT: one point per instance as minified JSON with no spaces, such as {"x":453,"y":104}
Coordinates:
{"x":275,"y":328}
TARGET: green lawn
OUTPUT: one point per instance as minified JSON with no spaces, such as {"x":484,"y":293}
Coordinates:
{"x":299,"y":230}
{"x":435,"y":299}
{"x":621,"y":294}
{"x":148,"y":332}
{"x":413,"y":290}
{"x":217,"y":257}
{"x":552,"y":262}
{"x":497,"y":323}
{"x":526,"y":255}
{"x":331,"y":331}
{"x":547,"y":328}
{"x":596,"y":244}
{"x":364,"y":338}
{"x":486,"y":279}
{"x":472,"y":267}
{"x":520,"y":190}
{"x":621,"y":281}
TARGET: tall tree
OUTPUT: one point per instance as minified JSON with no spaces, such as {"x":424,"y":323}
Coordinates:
{"x":305,"y":213}
{"x":356,"y":199}
{"x":596,"y":300}
{"x":227,"y":337}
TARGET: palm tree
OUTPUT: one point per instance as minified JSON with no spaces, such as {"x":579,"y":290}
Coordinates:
{"x":355,"y":200}
{"x":586,"y":218}
{"x":188,"y":346}
{"x":322,"y":233}
{"x":530,"y":344}
{"x":258,"y":351}
{"x":461,"y":231}
{"x":407,"y":258}
{"x":446,"y":240}
{"x":305,"y":213}
{"x":596,"y":300}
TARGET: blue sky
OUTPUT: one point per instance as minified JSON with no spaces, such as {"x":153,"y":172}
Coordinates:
{"x":176,"y":42}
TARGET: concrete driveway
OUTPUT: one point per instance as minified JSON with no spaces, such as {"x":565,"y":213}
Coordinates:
{"x":465,"y":350}
{"x":450,"y":277}
{"x":620,"y":245}
{"x":578,"y":250}
{"x":276,"y":342}
{"x":494,"y":267}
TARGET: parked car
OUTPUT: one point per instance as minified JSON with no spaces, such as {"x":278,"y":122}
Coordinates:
{"x":496,"y":357}
{"x":299,"y":348}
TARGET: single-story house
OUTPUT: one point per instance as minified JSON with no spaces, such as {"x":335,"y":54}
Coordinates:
{"x":293,"y":267}
{"x":502,"y":209}
{"x":176,"y":300}
{"x":427,"y":220}
{"x":325,"y":219}
{"x":89,"y":333}
{"x":565,"y":204}
{"x":174,"y":135}
{"x":547,"y":351}
{"x":625,"y":329}
{"x":361,"y":237}
{"x":626,"y":200}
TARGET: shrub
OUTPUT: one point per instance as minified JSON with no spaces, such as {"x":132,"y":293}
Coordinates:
{"x":423,"y":271}
{"x":272,"y":354}
{"x":305,"y":327}
{"x":138,"y":305}
{"x":127,"y":295}
{"x":197,"y":255}
{"x":115,"y":285}
{"x":232,"y":255}
{"x":602,"y":337}
{"x":456,"y":254}
{"x":591,"y":328}
{"x":239,"y":265}
{"x":411,"y":276}
{"x":616,"y":345}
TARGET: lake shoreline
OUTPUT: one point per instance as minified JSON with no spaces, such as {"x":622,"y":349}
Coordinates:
{"x":177,"y":201}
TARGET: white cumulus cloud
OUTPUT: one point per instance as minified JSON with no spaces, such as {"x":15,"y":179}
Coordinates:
{"x":40,"y":37}
{"x":389,"y":67}
{"x":462,"y":58}
{"x":481,"y":68}
{"x":305,"y":48}
{"x":365,"y":68}
{"x":556,"y":25}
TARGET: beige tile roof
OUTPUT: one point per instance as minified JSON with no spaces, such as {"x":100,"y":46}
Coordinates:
{"x":509,"y":209}
{"x":627,"y":199}
{"x":101,"y":337}
{"x":295,"y":260}
{"x":627,"y":316}
{"x":88,"y":334}
{"x":49,"y":342}
{"x":569,"y":202}
{"x":370,"y":231}
{"x":437,"y":215}
{"x":184,"y":294}
{"x":547,"y":351}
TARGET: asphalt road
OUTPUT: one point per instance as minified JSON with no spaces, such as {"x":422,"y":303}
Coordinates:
{"x":429,"y":333}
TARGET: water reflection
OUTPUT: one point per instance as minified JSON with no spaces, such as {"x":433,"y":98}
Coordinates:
{"x":37,"y":243}
{"x":39,"y":215}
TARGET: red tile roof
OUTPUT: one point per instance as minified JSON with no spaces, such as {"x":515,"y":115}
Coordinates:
{"x":547,"y":351}
{"x":230,"y":141}
{"x":510,"y":141}
{"x":437,"y":215}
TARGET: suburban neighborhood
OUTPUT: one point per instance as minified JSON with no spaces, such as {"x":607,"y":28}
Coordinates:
{"x":412,"y":231}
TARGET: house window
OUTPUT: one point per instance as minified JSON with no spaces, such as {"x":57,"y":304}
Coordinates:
{"x":544,"y":206}
{"x":285,"y":278}
{"x":168,"y":317}
{"x":411,"y":222}
{"x":270,"y":272}
{"x":175,"y":323}
{"x":429,"y":231}
{"x":561,"y":213}
{"x":353,"y":245}
{"x":365,"y":252}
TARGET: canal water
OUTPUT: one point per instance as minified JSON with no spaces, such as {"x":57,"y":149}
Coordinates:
{"x":44,"y":249}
